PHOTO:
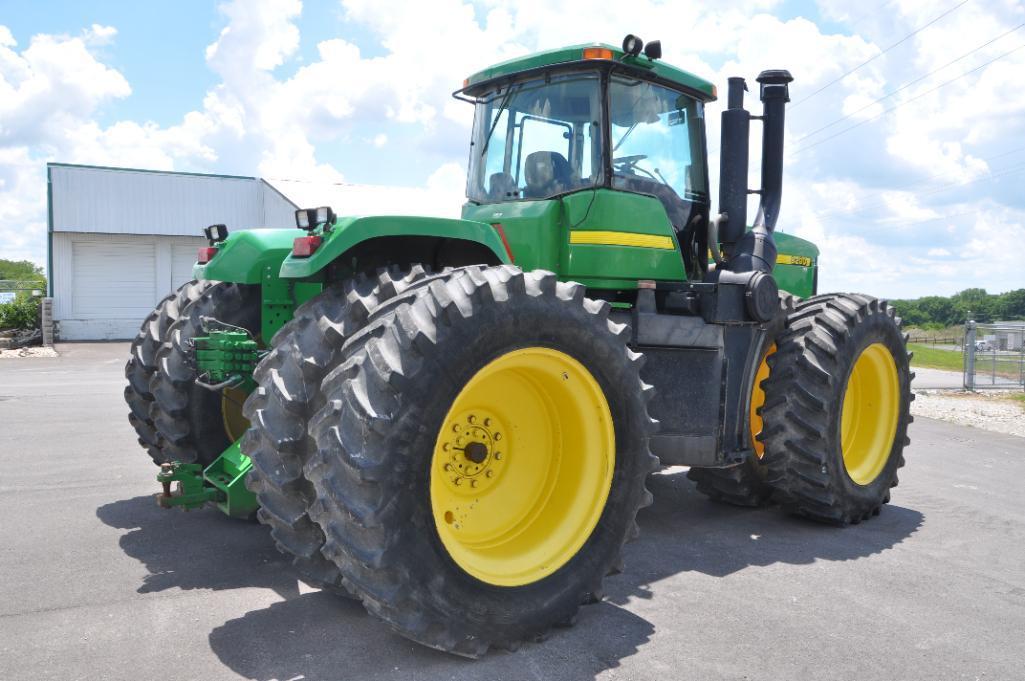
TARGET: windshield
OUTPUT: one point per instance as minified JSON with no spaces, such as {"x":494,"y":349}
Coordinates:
{"x":657,"y":138}
{"x":536,"y":139}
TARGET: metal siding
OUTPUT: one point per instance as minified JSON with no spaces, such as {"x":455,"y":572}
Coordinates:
{"x":278,"y":211}
{"x":113,"y":201}
{"x":183,"y":258}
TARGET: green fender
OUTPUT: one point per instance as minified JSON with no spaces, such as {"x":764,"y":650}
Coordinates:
{"x":242,"y":257}
{"x":351,"y":231}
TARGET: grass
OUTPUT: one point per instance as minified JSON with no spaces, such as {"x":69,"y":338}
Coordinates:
{"x":934,"y":358}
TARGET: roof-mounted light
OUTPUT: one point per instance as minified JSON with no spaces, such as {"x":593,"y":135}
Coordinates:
{"x":653,"y":50}
{"x":632,"y":45}
{"x":597,"y":53}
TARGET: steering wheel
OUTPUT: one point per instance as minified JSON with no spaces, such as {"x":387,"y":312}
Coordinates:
{"x":629,"y":163}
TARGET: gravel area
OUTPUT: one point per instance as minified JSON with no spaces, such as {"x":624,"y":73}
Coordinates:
{"x":28,"y":352}
{"x":990,"y":411}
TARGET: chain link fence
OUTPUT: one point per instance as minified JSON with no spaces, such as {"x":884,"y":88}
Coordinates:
{"x":994,"y":356}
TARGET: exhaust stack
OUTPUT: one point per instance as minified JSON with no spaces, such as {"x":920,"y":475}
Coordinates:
{"x":754,"y":250}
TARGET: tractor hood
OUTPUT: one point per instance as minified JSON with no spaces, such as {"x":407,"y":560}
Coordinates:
{"x":349,"y":232}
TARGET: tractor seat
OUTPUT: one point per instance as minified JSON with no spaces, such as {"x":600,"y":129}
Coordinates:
{"x":546,"y":173}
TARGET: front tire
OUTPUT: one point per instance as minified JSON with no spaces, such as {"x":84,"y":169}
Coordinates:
{"x":837,"y":408}
{"x":536,"y":379}
{"x":746,"y":484}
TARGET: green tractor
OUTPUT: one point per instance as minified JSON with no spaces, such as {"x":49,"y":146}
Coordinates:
{"x":453,"y":420}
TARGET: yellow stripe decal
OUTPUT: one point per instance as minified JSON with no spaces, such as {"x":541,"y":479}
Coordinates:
{"x":802,"y":260}
{"x":601,"y":238}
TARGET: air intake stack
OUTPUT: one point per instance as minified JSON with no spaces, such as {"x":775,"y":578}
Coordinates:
{"x":754,"y":250}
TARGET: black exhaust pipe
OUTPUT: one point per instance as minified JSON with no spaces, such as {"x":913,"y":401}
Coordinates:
{"x":733,"y":165}
{"x":755,"y":250}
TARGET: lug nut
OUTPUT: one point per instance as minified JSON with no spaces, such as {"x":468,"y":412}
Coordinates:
{"x":490,"y":474}
{"x":498,"y":455}
{"x":471,"y":418}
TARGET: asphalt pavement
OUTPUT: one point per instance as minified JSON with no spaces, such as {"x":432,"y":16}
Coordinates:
{"x":96,"y":582}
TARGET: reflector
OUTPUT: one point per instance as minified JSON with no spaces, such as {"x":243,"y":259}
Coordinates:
{"x":304,"y":246}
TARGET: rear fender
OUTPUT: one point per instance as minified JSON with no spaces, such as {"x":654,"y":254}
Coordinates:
{"x":359,"y":235}
{"x":243,"y":256}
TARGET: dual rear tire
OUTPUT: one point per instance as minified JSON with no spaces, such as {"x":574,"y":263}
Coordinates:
{"x":488,"y":371}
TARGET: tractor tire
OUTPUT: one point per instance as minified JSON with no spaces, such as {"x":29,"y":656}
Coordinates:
{"x":197,"y":425}
{"x":143,"y":362}
{"x":496,"y":545}
{"x":288,"y":394}
{"x":837,"y":408}
{"x":746,"y":484}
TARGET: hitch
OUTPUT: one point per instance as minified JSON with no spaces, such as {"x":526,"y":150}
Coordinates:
{"x":222,"y":483}
{"x":191,"y":491}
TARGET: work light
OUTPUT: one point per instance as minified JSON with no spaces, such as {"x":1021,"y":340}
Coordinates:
{"x":215,"y":233}
{"x":632,"y":45}
{"x":653,"y":50}
{"x":302,"y":218}
{"x":325,"y":215}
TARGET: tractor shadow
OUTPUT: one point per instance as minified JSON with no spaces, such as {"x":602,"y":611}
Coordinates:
{"x":683,"y":531}
{"x":321,"y":636}
{"x":201,"y":549}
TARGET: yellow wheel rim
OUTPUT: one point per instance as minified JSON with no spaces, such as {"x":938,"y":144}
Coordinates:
{"x":757,"y":401}
{"x":522,"y":466}
{"x":871,"y":406}
{"x":235,"y":424}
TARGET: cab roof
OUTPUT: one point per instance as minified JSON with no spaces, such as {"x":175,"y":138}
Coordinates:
{"x":591,"y":53}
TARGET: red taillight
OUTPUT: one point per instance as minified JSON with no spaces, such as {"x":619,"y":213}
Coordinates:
{"x":304,"y":246}
{"x":206,"y":254}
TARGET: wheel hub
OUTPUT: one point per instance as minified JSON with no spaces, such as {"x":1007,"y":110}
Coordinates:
{"x":471,"y":444}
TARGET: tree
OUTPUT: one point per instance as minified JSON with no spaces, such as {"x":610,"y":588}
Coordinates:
{"x":21,"y":270}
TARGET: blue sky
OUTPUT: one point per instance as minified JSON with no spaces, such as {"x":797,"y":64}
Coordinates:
{"x":923,"y":199}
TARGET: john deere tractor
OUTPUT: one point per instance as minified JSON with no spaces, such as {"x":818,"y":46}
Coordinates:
{"x":452,"y":420}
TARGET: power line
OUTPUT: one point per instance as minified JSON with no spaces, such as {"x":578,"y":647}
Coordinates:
{"x":906,"y":101}
{"x":849,"y":215}
{"x":908,"y":187}
{"x":876,"y":56}
{"x":909,"y":84}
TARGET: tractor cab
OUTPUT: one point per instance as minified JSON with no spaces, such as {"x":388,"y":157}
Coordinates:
{"x":584,"y":119}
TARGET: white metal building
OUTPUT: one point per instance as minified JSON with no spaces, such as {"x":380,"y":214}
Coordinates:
{"x":121,"y":239}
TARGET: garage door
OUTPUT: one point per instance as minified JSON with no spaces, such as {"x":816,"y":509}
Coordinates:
{"x":113,"y":280}
{"x":183,"y":258}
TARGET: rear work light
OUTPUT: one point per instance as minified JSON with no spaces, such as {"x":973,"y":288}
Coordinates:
{"x":206,"y":254}
{"x":304,"y":246}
